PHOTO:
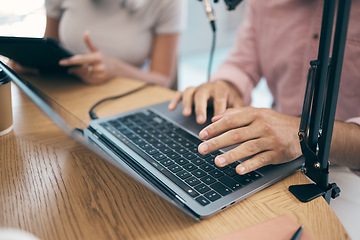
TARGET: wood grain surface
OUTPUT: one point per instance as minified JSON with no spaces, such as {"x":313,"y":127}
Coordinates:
{"x":55,"y":188}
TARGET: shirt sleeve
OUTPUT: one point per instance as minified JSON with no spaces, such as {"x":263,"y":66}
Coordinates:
{"x":172,"y":17}
{"x":53,"y":8}
{"x":241,"y":67}
{"x":354,"y":120}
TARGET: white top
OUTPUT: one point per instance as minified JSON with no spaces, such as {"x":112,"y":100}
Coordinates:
{"x":116,"y":30}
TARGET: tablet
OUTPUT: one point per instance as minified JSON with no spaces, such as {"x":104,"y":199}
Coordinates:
{"x":41,"y":53}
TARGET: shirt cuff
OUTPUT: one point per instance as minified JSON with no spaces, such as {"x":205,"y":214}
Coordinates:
{"x":354,"y":120}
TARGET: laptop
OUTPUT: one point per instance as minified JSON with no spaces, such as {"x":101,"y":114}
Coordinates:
{"x":158,"y":148}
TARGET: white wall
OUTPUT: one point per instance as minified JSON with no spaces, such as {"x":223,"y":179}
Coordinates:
{"x":197,"y":36}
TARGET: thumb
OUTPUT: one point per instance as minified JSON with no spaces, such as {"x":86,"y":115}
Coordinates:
{"x":91,"y":47}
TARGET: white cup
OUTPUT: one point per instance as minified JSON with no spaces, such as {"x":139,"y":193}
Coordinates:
{"x":6,"y":119}
{"x":15,"y":234}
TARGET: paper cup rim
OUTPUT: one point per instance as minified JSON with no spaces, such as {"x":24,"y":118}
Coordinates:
{"x":6,"y":131}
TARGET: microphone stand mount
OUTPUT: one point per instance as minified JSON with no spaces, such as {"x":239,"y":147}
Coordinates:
{"x":318,"y":114}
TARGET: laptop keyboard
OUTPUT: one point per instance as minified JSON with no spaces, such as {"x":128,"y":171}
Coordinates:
{"x":173,"y":151}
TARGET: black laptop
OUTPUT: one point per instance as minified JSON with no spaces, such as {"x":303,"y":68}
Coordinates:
{"x":158,"y":148}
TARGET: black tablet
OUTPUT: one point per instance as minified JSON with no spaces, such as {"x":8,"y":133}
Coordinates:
{"x":41,"y":53}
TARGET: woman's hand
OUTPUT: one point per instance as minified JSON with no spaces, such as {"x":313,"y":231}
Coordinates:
{"x":93,"y":68}
{"x":265,"y":136}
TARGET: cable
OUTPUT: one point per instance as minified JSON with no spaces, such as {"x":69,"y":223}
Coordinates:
{"x":91,"y":111}
{"x":211,"y":54}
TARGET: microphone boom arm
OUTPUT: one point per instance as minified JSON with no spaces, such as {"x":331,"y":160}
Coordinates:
{"x":321,"y":95}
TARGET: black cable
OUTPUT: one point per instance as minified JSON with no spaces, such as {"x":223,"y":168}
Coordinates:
{"x":91,"y":111}
{"x":212,"y":49}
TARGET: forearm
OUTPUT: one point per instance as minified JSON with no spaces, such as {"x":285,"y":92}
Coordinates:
{"x":345,"y":146}
{"x":52,"y":28}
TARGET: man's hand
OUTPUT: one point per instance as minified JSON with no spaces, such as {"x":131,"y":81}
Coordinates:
{"x":93,"y":68}
{"x":222,"y":94}
{"x":266,"y":136}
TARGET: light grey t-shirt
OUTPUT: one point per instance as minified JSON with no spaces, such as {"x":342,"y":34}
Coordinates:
{"x":115,"y":30}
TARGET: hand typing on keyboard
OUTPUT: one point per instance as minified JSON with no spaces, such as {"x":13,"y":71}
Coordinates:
{"x":266,"y":137}
{"x":224,"y":94}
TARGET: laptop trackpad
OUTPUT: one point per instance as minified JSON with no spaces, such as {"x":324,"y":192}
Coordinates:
{"x":188,"y":123}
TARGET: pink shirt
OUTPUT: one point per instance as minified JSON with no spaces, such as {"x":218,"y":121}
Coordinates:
{"x":277,"y":40}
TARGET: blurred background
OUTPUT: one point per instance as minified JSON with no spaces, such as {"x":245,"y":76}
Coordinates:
{"x":27,"y":18}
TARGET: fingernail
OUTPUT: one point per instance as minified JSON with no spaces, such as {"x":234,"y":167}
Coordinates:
{"x":63,"y":62}
{"x":186,"y":111}
{"x":200,"y":119}
{"x":241,"y":169}
{"x":221,"y":161}
{"x":203,"y":134}
{"x":203,"y":148}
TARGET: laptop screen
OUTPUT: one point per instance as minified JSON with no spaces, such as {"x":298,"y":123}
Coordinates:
{"x":62,"y":117}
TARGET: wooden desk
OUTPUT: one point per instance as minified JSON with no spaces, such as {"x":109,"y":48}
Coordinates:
{"x":55,"y":188}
